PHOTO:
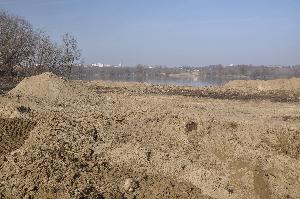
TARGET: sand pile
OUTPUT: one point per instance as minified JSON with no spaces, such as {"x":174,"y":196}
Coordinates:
{"x":262,"y":85}
{"x":50,"y":88}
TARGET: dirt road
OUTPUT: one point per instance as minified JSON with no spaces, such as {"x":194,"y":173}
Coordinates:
{"x":73,"y":139}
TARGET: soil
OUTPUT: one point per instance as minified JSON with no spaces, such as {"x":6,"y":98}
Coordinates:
{"x":75,"y":139}
{"x":13,"y":133}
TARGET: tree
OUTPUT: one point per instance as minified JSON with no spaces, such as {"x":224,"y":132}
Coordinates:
{"x":17,"y":41}
{"x":70,"y":52}
{"x":48,"y":55}
{"x":24,"y":49}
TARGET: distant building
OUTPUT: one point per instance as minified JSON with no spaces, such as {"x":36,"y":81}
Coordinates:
{"x":98,"y":65}
{"x":105,"y":65}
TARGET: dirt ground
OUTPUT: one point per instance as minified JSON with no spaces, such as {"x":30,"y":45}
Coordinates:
{"x":74,"y":139}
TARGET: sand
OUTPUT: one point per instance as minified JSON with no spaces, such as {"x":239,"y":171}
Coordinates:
{"x":74,"y":139}
{"x":292,"y":84}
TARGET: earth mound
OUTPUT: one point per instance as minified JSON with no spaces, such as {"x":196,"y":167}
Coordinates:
{"x":292,"y":84}
{"x":49,"y":87}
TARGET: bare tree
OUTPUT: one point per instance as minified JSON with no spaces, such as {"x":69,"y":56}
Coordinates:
{"x":48,"y":55}
{"x":24,"y":49}
{"x":70,"y":52}
{"x":17,"y":41}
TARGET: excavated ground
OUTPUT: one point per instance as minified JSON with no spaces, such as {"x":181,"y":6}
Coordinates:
{"x":13,"y":133}
{"x":73,"y":139}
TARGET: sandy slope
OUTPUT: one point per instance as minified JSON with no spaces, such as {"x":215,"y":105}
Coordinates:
{"x":262,"y":85}
{"x":117,"y":140}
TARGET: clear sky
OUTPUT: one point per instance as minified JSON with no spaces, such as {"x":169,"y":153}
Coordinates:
{"x":172,"y":32}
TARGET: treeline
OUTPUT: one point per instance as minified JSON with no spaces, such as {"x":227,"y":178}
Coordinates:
{"x":139,"y":71}
{"x":26,"y":51}
{"x":249,"y":71}
{"x":208,"y":72}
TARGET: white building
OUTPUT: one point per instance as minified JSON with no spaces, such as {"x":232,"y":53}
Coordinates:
{"x":98,"y":64}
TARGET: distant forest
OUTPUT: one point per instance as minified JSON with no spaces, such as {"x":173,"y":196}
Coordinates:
{"x":202,"y":73}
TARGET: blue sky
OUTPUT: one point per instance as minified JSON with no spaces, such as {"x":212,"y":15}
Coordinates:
{"x":172,"y":32}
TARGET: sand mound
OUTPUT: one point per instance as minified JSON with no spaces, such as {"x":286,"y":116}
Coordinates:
{"x":48,"y":87}
{"x":262,"y":85}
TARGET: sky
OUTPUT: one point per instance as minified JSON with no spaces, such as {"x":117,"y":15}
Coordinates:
{"x":172,"y":32}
